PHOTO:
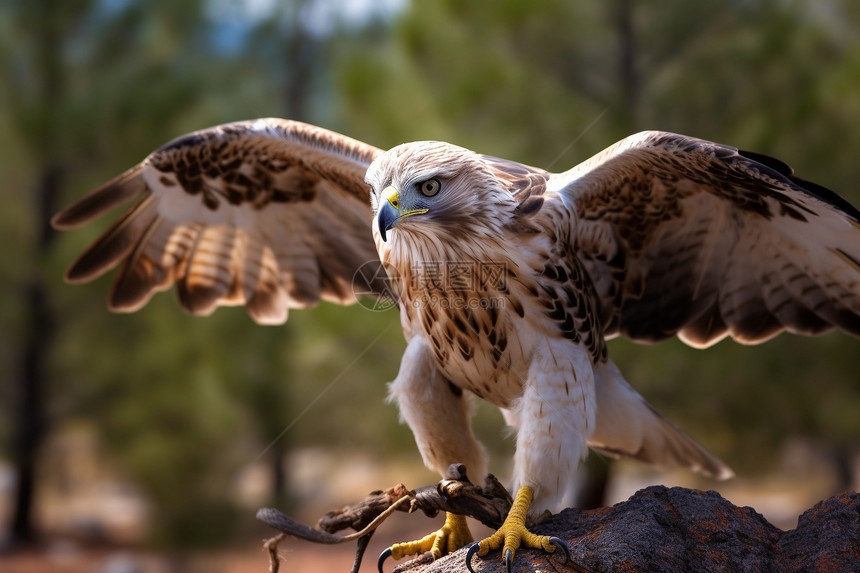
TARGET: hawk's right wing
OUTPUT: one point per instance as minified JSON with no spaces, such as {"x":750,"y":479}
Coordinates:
{"x":269,"y":214}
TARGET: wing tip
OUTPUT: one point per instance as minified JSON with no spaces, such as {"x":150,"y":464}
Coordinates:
{"x":101,"y":200}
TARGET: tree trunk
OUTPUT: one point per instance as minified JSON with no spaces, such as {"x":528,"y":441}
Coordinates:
{"x":628,"y":74}
{"x":299,"y":54}
{"x":28,"y":398}
{"x":44,"y":17}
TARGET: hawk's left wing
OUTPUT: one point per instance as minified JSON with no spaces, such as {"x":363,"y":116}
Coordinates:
{"x":689,"y":237}
{"x":269,"y":214}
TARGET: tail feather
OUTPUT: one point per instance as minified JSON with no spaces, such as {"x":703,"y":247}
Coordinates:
{"x":628,"y":426}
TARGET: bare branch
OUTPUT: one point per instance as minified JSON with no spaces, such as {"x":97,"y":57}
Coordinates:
{"x":454,"y":494}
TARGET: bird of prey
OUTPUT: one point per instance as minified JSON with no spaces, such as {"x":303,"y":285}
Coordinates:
{"x":509,"y":278}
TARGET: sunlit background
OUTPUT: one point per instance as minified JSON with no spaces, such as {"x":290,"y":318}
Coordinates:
{"x":147,"y":441}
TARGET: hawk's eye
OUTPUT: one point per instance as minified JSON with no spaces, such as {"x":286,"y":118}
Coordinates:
{"x":430,"y":187}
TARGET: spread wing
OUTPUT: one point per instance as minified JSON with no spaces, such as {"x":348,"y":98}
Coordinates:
{"x":269,"y":214}
{"x":684,"y":236}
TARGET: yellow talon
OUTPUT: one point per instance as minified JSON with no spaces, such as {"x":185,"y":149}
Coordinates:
{"x":453,"y":535}
{"x":513,"y":533}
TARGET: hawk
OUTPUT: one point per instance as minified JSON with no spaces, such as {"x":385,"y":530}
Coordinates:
{"x":509,"y":278}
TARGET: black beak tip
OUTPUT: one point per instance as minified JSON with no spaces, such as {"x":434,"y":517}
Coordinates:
{"x":386,"y":219}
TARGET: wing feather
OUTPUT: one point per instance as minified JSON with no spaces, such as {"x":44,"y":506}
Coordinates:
{"x":267,"y":300}
{"x":139,"y":277}
{"x":210,"y":275}
{"x":269,"y":213}
{"x":689,"y":237}
{"x":104,"y":199}
{"x":114,"y":244}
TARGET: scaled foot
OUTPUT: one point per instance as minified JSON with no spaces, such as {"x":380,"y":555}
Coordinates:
{"x":453,"y":535}
{"x":513,"y":534}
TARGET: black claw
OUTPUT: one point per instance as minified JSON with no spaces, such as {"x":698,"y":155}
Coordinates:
{"x":473,"y":548}
{"x":509,"y":559}
{"x":561,"y":544}
{"x":382,"y":557}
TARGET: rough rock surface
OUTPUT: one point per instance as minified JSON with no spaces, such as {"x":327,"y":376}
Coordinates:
{"x":677,"y":529}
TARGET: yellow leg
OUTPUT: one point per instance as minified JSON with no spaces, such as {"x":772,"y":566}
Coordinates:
{"x":453,"y":535}
{"x":513,"y":533}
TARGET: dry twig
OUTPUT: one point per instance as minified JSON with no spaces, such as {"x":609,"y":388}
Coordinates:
{"x":455,"y":494}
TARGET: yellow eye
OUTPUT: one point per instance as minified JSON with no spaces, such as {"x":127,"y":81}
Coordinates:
{"x":430,"y":187}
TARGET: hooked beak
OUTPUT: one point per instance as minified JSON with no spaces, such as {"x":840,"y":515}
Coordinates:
{"x":389,"y":211}
{"x":390,"y":215}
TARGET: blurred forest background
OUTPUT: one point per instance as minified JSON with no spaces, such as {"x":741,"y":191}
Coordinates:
{"x":162,"y":431}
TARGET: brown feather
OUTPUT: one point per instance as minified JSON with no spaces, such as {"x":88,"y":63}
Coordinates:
{"x":114,"y":244}
{"x":682,"y":236}
{"x":107,"y":197}
{"x":268,"y":213}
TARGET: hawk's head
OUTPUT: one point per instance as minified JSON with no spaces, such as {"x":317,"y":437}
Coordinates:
{"x":438,"y":188}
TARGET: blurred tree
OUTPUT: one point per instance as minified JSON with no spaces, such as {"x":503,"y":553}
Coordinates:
{"x":37,"y":104}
